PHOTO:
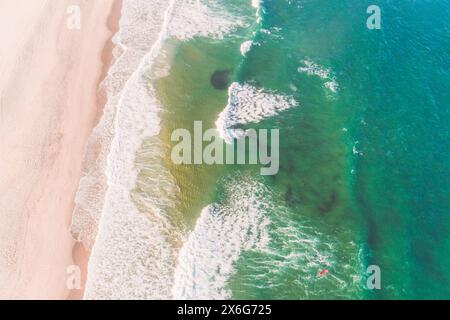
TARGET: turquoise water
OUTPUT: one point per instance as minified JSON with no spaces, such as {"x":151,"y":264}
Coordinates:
{"x":364,"y":160}
{"x":393,"y":198}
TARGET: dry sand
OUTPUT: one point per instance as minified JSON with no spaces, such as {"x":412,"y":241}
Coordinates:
{"x":49,"y":104}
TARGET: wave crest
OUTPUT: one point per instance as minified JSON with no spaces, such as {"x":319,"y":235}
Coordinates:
{"x":247,"y":104}
{"x":223,"y":232}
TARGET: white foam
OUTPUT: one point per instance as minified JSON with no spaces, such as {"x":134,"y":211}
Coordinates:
{"x":314,"y":69}
{"x":202,"y":18}
{"x":247,"y":104}
{"x":257,"y":5}
{"x":283,"y":243}
{"x":133,"y":41}
{"x":355,"y":149}
{"x":246,"y":46}
{"x":332,"y":85}
{"x":207,"y":260}
{"x":299,"y":246}
{"x":132,"y":257}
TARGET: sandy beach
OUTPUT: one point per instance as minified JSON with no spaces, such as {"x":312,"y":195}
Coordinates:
{"x":49,"y":104}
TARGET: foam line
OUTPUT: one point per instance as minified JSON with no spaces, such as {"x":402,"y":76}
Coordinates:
{"x":247,"y":104}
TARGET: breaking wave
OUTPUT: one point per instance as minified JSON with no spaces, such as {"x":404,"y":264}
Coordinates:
{"x":122,"y":220}
{"x":223,"y":231}
{"x":247,"y":104}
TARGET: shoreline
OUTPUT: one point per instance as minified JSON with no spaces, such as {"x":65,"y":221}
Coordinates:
{"x":113,"y":24}
{"x":80,"y":253}
{"x":124,"y":261}
{"x":49,"y":85}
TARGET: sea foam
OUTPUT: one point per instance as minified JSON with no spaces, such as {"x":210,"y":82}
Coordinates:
{"x":257,"y":5}
{"x":246,"y":46}
{"x":132,"y":253}
{"x":207,"y":260}
{"x":313,"y":69}
{"x":247,"y":104}
{"x":306,"y":249}
{"x":131,"y":257}
{"x":251,"y":218}
{"x":192,"y":18}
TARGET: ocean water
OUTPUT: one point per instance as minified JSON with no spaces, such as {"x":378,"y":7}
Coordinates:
{"x":364,"y":176}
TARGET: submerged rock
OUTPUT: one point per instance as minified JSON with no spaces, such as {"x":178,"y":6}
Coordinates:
{"x":220,"y":79}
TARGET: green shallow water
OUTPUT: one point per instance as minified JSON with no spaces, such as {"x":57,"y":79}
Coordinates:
{"x":364,"y":172}
{"x":189,"y":96}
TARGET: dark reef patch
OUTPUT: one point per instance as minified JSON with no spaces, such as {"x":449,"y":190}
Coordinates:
{"x":330,"y":204}
{"x":220,"y":79}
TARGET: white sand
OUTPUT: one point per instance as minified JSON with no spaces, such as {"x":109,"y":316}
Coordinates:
{"x":49,"y":78}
